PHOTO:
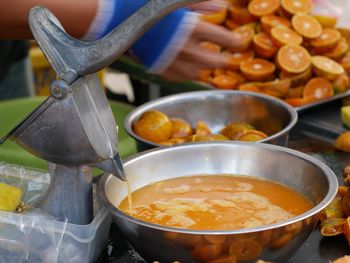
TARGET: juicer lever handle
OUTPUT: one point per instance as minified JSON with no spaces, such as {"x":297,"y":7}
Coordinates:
{"x":72,"y":58}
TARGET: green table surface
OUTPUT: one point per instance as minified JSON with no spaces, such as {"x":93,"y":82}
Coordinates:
{"x":13,"y":111}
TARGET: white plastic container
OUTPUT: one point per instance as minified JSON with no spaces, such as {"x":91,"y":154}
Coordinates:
{"x":34,"y":237}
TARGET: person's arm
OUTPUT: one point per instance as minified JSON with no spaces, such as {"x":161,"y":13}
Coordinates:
{"x":75,"y":15}
{"x":170,"y":45}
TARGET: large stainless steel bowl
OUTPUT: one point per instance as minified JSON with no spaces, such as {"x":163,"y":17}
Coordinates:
{"x":218,"y":108}
{"x":275,"y":242}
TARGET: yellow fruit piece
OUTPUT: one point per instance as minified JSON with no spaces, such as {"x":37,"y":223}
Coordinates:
{"x":345,"y":115}
{"x":326,"y":21}
{"x":342,"y":143}
{"x":10,"y":197}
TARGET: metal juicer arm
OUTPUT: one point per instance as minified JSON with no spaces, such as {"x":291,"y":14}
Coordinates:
{"x":72,"y":58}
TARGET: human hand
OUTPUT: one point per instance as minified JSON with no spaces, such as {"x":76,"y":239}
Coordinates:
{"x":193,"y":58}
{"x":209,"y":6}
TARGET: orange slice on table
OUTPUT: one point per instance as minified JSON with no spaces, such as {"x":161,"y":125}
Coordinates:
{"x":297,"y":79}
{"x":327,"y":41}
{"x":258,"y":69}
{"x":318,"y":88}
{"x":307,"y":26}
{"x":293,"y":7}
{"x":339,"y":51}
{"x":326,"y":67}
{"x":279,"y":87}
{"x":241,"y":15}
{"x":205,"y":75}
{"x":250,"y":86}
{"x":229,"y":23}
{"x":298,"y":102}
{"x":218,"y":71}
{"x":295,"y":92}
{"x":224,"y":82}
{"x":240,"y":79}
{"x":341,"y":84}
{"x":345,"y":62}
{"x":293,"y":58}
{"x":247,"y":34}
{"x":236,"y":58}
{"x":270,"y":21}
{"x":263,"y":7}
{"x":263,"y":45}
{"x":282,"y":35}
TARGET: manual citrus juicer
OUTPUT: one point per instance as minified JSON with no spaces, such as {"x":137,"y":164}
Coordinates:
{"x":74,"y":128}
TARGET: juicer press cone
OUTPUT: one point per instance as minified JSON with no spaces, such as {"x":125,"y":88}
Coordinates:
{"x":74,"y":128}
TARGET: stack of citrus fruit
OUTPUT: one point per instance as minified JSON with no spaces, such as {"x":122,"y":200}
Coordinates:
{"x":288,"y":52}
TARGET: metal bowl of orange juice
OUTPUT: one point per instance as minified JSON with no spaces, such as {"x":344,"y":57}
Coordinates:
{"x":218,"y":108}
{"x":274,"y":242}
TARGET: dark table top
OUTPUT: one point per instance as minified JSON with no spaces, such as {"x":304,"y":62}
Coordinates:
{"x":314,"y":135}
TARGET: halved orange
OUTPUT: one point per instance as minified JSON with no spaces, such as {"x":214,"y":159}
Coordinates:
{"x":326,"y":21}
{"x":282,"y":35}
{"x":218,"y":72}
{"x":298,"y":102}
{"x":293,"y":7}
{"x":342,"y":83}
{"x":270,"y":21}
{"x":263,"y":7}
{"x":154,"y":126}
{"x":180,"y":128}
{"x":241,"y":15}
{"x":224,"y":82}
{"x":326,"y":67}
{"x":345,"y":62}
{"x":318,"y":88}
{"x":293,"y":58}
{"x":230,"y":24}
{"x":339,"y":51}
{"x":263,"y":45}
{"x":297,"y":79}
{"x":295,"y":92}
{"x":345,"y":32}
{"x":210,"y":46}
{"x":240,"y":79}
{"x":307,"y":26}
{"x":217,"y":17}
{"x":252,"y":136}
{"x":279,"y":86}
{"x":205,"y":75}
{"x":327,"y":41}
{"x":236,"y":58}
{"x":258,"y":69}
{"x":250,"y":86}
{"x":247,"y":34}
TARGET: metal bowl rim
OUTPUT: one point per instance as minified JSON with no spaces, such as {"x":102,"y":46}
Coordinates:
{"x":131,"y":116}
{"x":331,"y":178}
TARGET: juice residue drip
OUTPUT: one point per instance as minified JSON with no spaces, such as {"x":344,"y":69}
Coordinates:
{"x":217,"y":202}
{"x":129,"y":196}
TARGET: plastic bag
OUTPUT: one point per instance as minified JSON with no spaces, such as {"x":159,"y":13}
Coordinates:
{"x":31,"y":236}
{"x":34,"y":183}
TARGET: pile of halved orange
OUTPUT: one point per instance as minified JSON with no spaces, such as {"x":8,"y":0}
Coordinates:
{"x":288,"y":52}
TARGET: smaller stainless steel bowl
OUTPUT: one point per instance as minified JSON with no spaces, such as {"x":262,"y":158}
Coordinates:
{"x":219,"y":108}
{"x":275,"y":242}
